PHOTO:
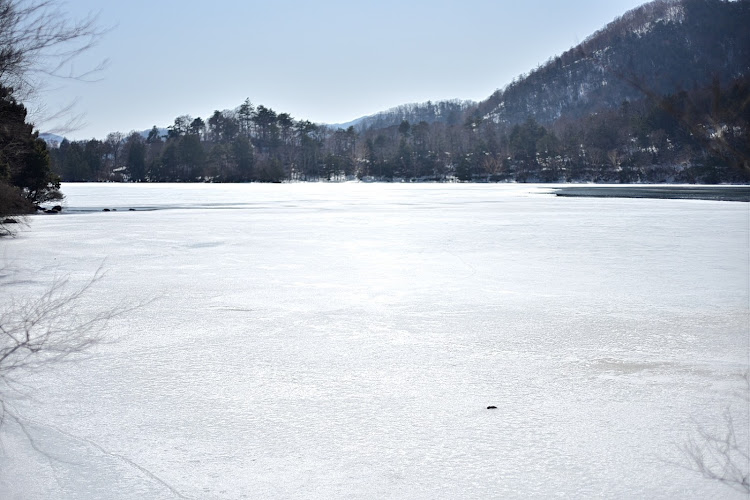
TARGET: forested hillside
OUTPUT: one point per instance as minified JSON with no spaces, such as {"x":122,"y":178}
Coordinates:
{"x":658,"y":95}
{"x":660,"y":48}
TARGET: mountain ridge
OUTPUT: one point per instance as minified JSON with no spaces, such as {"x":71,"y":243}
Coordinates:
{"x":661,"y":47}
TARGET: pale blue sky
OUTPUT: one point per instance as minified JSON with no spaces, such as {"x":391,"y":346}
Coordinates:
{"x":328,"y":61}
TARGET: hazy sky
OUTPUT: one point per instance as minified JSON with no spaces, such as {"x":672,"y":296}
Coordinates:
{"x":328,"y":61}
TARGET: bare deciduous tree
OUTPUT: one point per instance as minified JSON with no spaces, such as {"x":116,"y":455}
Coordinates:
{"x":38,"y":43}
{"x":38,"y":38}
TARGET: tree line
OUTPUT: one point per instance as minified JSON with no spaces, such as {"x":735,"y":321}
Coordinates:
{"x":699,"y":136}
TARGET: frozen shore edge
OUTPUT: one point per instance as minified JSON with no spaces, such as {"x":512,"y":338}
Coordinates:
{"x":665,"y":192}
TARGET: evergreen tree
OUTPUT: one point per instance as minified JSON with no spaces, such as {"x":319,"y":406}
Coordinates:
{"x":136,"y":157}
{"x":153,"y":136}
{"x":24,"y":159}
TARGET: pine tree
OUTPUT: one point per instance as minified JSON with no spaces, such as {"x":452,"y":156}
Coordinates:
{"x":24,"y":159}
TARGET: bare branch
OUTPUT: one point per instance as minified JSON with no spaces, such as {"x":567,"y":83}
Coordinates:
{"x":39,"y":43}
{"x":37,"y":37}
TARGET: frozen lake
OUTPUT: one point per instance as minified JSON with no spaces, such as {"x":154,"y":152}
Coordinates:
{"x":345,"y":340}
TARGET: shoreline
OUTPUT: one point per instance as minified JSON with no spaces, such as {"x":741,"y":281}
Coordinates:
{"x":660,"y":192}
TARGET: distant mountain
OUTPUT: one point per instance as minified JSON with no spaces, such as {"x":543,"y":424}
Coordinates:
{"x":352,"y":123}
{"x":450,"y":112}
{"x":657,"y":49}
{"x":163,"y":132}
{"x":52,"y":140}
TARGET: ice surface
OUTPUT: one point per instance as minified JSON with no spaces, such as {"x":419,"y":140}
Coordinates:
{"x":345,"y":340}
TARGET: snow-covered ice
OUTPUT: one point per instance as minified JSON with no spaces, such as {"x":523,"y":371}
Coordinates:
{"x":345,"y":340}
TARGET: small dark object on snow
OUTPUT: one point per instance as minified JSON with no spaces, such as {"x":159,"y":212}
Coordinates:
{"x":492,"y":407}
{"x":105,"y":210}
{"x":131,"y":209}
{"x":57,"y":208}
{"x":10,"y":221}
{"x":51,"y":212}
